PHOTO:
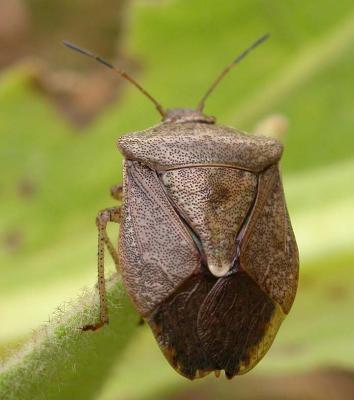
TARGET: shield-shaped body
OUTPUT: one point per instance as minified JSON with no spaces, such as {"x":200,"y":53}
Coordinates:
{"x":207,"y":252}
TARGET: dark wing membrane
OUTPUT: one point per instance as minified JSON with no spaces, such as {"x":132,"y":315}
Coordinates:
{"x":237,"y":323}
{"x":211,"y":324}
{"x":174,"y":323}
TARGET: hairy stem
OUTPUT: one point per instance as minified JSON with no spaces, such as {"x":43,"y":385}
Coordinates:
{"x":63,"y":362}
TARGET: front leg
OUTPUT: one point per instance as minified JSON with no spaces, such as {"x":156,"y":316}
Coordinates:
{"x":112,"y":214}
{"x":117,"y":191}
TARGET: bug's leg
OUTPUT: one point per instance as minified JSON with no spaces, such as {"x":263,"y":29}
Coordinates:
{"x":117,"y":192}
{"x":114,"y":215}
{"x":108,"y":215}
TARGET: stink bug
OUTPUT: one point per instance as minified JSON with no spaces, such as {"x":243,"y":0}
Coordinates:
{"x":206,"y":249}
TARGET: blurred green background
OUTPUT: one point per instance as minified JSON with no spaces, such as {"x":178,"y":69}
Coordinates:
{"x":60,"y":116}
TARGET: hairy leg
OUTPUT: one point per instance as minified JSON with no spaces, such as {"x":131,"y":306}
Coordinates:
{"x":108,"y":215}
{"x":112,"y":214}
{"x":117,"y":191}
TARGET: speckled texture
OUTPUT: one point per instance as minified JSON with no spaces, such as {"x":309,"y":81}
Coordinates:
{"x":214,"y":201}
{"x":175,"y":144}
{"x":156,"y":251}
{"x":269,"y":252}
{"x":200,"y":198}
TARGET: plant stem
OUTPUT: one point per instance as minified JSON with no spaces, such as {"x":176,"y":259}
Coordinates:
{"x":61,"y":361}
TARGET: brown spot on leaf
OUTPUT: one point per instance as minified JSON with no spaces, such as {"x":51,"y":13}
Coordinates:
{"x":26,"y":188}
{"x":337,"y":292}
{"x":30,"y":31}
{"x":12,"y":241}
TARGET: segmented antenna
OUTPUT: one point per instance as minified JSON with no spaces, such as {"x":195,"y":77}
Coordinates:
{"x":122,"y":73}
{"x":259,"y":41}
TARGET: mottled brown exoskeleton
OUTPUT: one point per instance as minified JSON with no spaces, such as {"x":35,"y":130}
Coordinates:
{"x":206,"y":249}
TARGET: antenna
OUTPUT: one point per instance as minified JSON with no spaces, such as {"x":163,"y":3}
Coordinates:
{"x":122,"y":73}
{"x":259,"y":41}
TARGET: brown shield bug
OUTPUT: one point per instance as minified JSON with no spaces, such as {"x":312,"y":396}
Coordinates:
{"x":206,"y":249}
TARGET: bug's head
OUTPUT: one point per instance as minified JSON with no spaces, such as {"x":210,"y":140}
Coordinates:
{"x":180,"y":115}
{"x":175,"y":115}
